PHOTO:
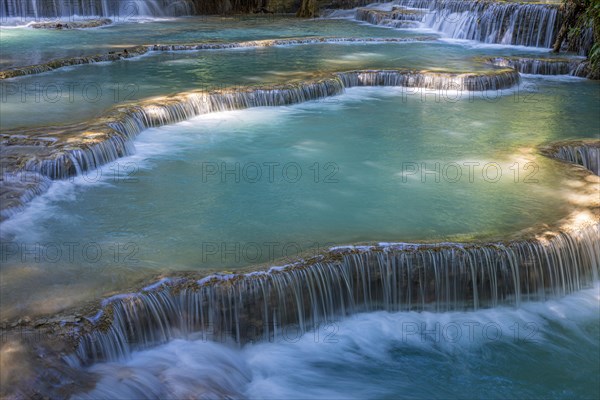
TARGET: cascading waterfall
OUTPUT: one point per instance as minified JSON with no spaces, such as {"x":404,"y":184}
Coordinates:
{"x":45,"y":157}
{"x":126,"y":125}
{"x":489,"y":22}
{"x":261,"y":305}
{"x":515,"y":24}
{"x":431,"y":80}
{"x":27,"y":184}
{"x":36,"y":10}
{"x":114,"y":140}
{"x":74,"y":162}
{"x":538,"y":66}
{"x":586,"y":155}
{"x":256,"y":306}
{"x":397,"y":18}
{"x":94,"y":144}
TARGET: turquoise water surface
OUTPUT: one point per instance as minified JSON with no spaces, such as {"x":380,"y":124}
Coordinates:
{"x":267,"y":186}
{"x":24,"y":46}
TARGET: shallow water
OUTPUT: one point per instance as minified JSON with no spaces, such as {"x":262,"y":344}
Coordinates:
{"x":265,"y":186}
{"x":538,"y":351}
{"x":233,"y":189}
{"x":27,"y":46}
{"x":78,"y":93}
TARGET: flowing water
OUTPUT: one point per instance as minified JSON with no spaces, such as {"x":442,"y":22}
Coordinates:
{"x":257,"y":187}
{"x":35,"y":10}
{"x":537,"y":351}
{"x":229,"y":189}
{"x":81,"y":92}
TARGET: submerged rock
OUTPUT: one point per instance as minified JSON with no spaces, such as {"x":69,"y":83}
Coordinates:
{"x":281,"y":42}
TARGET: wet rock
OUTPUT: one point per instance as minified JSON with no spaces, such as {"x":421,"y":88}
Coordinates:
{"x":66,"y":62}
{"x":40,"y":322}
{"x":69,"y":319}
{"x":58,"y":25}
{"x":398,"y":18}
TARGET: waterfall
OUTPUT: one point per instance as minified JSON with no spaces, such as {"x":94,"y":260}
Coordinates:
{"x":397,"y":18}
{"x":26,"y":185}
{"x":36,"y":10}
{"x":98,"y":142}
{"x":484,"y":21}
{"x":538,"y":66}
{"x":431,"y":80}
{"x":87,"y":157}
{"x":584,"y":154}
{"x":515,"y":24}
{"x":402,"y":277}
{"x":112,"y":137}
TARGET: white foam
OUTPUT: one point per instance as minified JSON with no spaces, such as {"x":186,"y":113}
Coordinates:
{"x":473,"y":44}
{"x":380,"y":354}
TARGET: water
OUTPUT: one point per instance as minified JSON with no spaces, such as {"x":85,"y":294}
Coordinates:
{"x":261,"y":187}
{"x":586,"y":156}
{"x":349,"y":179}
{"x":78,"y":93}
{"x":535,"y":25}
{"x":516,"y":24}
{"x":26,"y":46}
{"x":537,"y":351}
{"x":19,"y":11}
{"x":257,"y":305}
{"x":542,"y":67}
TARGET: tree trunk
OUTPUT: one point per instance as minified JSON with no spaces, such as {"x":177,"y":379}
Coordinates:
{"x":308,"y":9}
{"x":573,"y":9}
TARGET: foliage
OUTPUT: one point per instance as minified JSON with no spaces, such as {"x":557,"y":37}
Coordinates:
{"x":582,"y":27}
{"x":592,"y":14}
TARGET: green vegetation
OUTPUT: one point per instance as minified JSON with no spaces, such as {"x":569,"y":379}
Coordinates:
{"x":581,"y":31}
{"x":592,"y":14}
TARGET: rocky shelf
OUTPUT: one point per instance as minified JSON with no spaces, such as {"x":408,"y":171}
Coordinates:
{"x":84,"y":24}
